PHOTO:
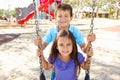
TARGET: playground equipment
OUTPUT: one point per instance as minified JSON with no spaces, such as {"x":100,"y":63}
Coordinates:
{"x":26,"y":13}
{"x":42,"y":76}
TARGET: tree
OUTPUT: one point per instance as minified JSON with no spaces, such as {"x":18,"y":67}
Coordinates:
{"x":73,"y":3}
{"x":118,"y":10}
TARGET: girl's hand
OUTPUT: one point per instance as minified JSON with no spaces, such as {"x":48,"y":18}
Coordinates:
{"x":91,"y":37}
{"x":38,"y":41}
{"x":90,"y":52}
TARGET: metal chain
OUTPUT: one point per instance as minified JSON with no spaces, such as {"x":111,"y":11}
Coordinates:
{"x":92,"y":16}
{"x":37,"y":32}
{"x":91,"y":31}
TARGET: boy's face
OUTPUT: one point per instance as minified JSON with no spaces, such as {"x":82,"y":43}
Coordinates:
{"x":63,"y":19}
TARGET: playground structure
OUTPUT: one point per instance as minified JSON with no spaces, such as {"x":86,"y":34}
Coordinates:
{"x":24,"y":14}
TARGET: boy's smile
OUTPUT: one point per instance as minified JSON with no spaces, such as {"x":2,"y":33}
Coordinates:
{"x":63,"y":19}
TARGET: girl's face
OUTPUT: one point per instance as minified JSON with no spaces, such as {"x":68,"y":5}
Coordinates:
{"x":64,"y":46}
{"x":63,"y":19}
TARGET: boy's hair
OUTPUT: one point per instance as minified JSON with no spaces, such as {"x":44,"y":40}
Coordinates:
{"x":54,"y":51}
{"x":64,"y":6}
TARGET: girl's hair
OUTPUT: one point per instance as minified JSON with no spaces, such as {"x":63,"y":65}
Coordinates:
{"x":54,"y":51}
{"x":64,"y":6}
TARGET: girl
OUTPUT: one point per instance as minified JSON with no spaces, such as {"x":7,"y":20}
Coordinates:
{"x":64,"y":57}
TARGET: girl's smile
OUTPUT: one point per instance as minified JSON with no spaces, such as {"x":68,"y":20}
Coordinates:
{"x":64,"y":46}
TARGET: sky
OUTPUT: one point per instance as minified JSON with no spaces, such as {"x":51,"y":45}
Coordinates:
{"x":14,"y":3}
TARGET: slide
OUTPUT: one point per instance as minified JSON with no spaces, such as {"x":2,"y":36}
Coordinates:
{"x":24,"y":14}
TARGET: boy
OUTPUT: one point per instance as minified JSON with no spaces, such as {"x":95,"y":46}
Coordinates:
{"x":63,"y":15}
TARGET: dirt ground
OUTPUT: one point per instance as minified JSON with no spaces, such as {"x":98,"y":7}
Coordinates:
{"x":18,"y":60}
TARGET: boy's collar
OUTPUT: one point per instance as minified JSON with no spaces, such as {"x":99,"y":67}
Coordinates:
{"x":58,"y":29}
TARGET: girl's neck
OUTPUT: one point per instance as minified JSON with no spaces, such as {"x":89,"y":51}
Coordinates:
{"x":64,"y":58}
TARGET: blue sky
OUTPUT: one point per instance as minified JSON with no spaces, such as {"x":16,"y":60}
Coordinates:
{"x":14,"y":3}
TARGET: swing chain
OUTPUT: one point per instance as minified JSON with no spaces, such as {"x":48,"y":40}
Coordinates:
{"x":37,"y":32}
{"x":41,"y":67}
{"x":36,"y":19}
{"x":92,"y":16}
{"x":91,"y":31}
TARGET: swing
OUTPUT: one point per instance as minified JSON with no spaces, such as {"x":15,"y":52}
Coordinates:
{"x":42,"y":76}
{"x":87,"y":75}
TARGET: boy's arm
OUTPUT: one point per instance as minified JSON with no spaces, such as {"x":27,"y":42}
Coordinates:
{"x":44,"y":45}
{"x":38,"y":41}
{"x":86,"y":47}
{"x":90,"y":38}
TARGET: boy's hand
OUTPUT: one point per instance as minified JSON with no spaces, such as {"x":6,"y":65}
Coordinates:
{"x":39,"y":52}
{"x":38,"y":41}
{"x":91,"y":37}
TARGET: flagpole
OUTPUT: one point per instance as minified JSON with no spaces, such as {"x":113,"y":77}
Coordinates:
{"x":8,"y":11}
{"x":37,"y":4}
{"x":49,"y":10}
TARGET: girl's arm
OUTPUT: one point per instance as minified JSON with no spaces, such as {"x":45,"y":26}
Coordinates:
{"x":86,"y":64}
{"x":46,"y":65}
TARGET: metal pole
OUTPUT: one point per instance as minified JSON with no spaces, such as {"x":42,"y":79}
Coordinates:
{"x":8,"y":11}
